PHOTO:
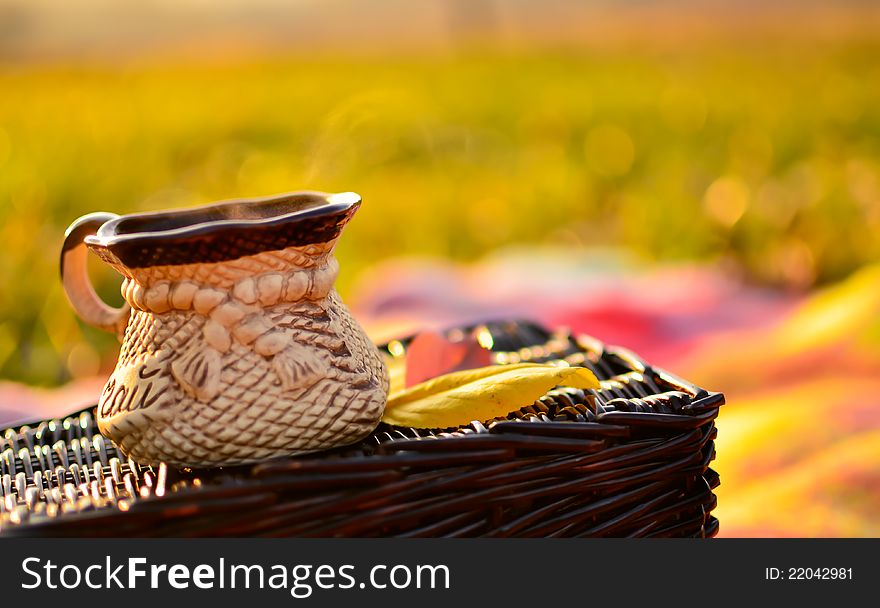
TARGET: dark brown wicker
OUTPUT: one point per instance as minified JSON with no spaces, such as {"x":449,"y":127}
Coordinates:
{"x":631,"y":459}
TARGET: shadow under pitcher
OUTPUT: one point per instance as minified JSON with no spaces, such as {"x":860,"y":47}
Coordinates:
{"x":236,"y":346}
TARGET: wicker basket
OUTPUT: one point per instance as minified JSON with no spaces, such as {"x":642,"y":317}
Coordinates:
{"x":631,"y":459}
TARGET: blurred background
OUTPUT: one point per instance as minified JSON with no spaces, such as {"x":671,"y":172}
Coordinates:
{"x":697,"y":180}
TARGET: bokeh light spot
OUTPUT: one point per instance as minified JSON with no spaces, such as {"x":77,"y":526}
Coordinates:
{"x":726,"y":200}
{"x":796,"y":264}
{"x":396,"y":348}
{"x":83,"y":361}
{"x":484,"y":338}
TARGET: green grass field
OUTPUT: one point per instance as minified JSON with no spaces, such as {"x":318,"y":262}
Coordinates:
{"x":766,"y":161}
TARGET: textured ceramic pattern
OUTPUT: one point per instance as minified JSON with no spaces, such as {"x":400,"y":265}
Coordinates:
{"x":239,"y":361}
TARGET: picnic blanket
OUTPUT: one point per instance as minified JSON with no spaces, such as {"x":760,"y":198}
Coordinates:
{"x":799,"y":439}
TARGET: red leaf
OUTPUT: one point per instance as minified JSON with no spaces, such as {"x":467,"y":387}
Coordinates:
{"x":430,"y":355}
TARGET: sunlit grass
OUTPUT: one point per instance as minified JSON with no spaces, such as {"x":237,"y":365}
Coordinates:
{"x":767,"y":161}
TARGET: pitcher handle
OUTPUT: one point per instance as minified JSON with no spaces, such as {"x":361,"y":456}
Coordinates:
{"x":75,"y":277}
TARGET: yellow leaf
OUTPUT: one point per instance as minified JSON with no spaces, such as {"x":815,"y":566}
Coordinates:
{"x":480,"y":394}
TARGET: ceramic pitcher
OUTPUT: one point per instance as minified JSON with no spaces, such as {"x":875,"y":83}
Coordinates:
{"x":235,"y":345}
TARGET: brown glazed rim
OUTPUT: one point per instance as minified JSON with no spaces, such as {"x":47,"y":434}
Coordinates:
{"x":225,"y":230}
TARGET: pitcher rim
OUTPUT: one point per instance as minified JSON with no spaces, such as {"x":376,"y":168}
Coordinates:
{"x":205,"y":240}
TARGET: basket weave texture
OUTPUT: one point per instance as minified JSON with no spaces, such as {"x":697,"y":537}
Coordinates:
{"x":630,"y":459}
